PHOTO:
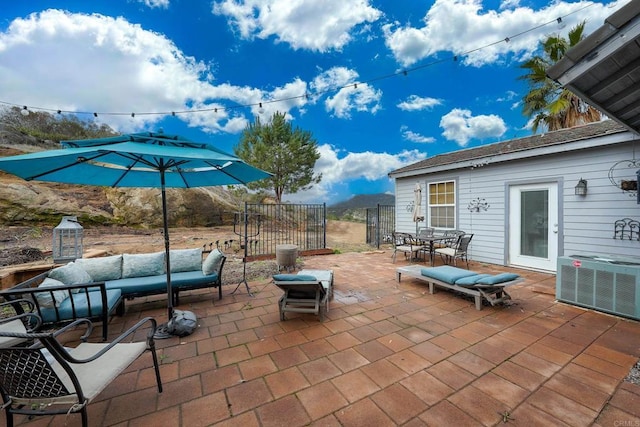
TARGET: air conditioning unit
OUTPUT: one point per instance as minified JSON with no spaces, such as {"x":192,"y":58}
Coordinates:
{"x":601,"y":283}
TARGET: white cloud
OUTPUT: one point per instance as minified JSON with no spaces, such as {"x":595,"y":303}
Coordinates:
{"x":509,"y":4}
{"x":94,"y":63}
{"x":409,"y":135}
{"x":164,"y":4}
{"x":508,"y":96}
{"x":315,"y":25}
{"x":348,"y":95}
{"x":461,"y":27}
{"x":337,"y":167}
{"x":417,"y":103}
{"x":460,"y":126}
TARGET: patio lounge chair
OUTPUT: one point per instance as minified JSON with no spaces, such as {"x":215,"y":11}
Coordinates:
{"x":49,"y":379}
{"x":22,"y":319}
{"x":480,"y":286}
{"x":308,"y":291}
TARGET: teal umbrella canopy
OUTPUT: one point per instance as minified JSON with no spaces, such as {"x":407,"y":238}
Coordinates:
{"x":134,"y":160}
{"x":147,"y":159}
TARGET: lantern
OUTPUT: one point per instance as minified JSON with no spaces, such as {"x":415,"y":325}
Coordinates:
{"x":67,"y":240}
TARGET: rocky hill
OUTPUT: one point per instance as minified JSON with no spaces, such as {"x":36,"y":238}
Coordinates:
{"x":355,"y":207}
{"x":40,"y":203}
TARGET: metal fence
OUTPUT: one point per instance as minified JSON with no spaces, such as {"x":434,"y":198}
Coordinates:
{"x":261,"y":227}
{"x":381,"y":222}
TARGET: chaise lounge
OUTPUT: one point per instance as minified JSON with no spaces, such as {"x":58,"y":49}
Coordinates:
{"x":308,"y":291}
{"x":481,"y":286}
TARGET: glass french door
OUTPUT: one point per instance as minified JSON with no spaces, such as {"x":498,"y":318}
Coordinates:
{"x":533,"y":225}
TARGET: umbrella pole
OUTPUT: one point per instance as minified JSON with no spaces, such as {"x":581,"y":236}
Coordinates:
{"x":162,"y":330}
{"x":167,"y":251}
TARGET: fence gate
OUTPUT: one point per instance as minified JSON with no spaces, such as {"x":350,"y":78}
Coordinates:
{"x":381,"y":222}
{"x":262,"y":227}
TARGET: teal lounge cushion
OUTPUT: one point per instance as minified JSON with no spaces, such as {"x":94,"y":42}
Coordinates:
{"x":498,"y":278}
{"x":102,"y":268}
{"x":212,"y":263}
{"x":294,"y":278}
{"x":471,"y":280}
{"x":185,"y":260}
{"x":70,"y":274}
{"x":446,"y":273}
{"x":140,"y":265}
{"x":81,"y":306}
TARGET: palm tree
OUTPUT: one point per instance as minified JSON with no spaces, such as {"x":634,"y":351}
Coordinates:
{"x":552,"y":106}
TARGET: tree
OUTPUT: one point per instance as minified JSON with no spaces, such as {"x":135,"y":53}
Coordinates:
{"x":289,"y":154}
{"x":551,"y":105}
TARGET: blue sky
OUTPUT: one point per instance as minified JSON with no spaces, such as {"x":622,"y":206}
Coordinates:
{"x":380,"y":83}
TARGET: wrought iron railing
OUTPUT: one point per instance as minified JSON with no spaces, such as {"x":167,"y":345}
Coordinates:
{"x":261,"y":227}
{"x":381,"y":222}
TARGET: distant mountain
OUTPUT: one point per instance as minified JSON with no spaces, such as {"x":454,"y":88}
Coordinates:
{"x":365,"y":201}
{"x":354,"y":208}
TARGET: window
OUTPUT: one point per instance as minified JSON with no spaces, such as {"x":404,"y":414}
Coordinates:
{"x":442,"y":204}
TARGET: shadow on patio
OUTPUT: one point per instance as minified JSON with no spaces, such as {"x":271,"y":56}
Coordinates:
{"x":388,"y":353}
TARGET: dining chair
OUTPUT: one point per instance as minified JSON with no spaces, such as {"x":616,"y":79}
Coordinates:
{"x":458,"y":251}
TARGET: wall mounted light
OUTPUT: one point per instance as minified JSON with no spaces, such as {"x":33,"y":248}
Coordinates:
{"x":581,"y":187}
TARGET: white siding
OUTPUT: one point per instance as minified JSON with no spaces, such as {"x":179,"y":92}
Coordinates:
{"x":586,"y":223}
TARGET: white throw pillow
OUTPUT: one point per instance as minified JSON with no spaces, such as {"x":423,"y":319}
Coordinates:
{"x":70,"y":274}
{"x":102,"y":268}
{"x":142,"y":265}
{"x":212,"y":262}
{"x":185,"y":260}
{"x":44,"y":298}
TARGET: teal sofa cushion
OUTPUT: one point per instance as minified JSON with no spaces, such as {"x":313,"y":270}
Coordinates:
{"x":158,"y":284}
{"x":185,"y":259}
{"x":102,"y":268}
{"x":70,"y":274}
{"x":211,"y":264}
{"x":191,"y":278}
{"x":294,"y":278}
{"x":498,"y":278}
{"x":139,"y":265}
{"x":471,"y":280}
{"x":446,"y":273}
{"x":51,"y":298}
{"x":82,"y":308}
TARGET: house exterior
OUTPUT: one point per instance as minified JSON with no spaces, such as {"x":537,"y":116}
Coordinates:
{"x":518,"y":197}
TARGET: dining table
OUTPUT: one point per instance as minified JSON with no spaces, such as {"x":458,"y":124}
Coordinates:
{"x":428,"y":243}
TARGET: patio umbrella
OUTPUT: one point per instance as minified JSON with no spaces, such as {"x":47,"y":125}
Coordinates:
{"x":417,"y":206}
{"x":145,"y":159}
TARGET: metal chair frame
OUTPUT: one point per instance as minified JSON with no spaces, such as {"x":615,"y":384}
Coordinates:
{"x":47,"y":379}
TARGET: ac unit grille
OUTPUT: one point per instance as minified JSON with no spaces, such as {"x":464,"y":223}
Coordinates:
{"x":599,"y":285}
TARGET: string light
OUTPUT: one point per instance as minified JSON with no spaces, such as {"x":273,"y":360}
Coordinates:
{"x":25,"y":110}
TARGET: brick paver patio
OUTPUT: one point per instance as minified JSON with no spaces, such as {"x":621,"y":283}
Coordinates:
{"x":388,"y":354}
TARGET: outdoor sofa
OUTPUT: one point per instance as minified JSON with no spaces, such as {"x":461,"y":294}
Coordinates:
{"x":96,"y":288}
{"x":480,"y":286}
